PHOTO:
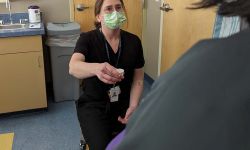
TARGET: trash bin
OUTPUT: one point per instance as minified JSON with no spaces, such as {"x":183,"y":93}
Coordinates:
{"x":61,"y":39}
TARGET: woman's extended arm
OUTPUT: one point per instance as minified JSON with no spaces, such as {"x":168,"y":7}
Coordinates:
{"x":81,"y":70}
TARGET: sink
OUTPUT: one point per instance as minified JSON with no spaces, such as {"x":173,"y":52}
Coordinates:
{"x":13,"y":26}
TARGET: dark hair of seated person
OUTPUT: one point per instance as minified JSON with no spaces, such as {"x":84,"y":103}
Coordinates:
{"x":227,"y":7}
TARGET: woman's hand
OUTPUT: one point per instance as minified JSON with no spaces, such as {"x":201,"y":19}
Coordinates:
{"x":129,"y":112}
{"x":108,"y":74}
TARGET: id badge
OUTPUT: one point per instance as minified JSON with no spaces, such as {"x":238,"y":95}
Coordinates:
{"x":114,"y":94}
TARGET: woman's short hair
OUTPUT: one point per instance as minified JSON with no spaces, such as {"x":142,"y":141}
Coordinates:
{"x":228,"y":7}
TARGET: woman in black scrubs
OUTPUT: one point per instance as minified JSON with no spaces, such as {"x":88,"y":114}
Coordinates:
{"x":109,"y":97}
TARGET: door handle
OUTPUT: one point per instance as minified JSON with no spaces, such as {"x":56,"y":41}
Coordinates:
{"x":165,"y":7}
{"x":81,"y":7}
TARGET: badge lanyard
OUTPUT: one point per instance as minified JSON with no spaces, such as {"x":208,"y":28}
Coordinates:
{"x":115,"y":90}
{"x":107,"y":51}
{"x":119,"y":52}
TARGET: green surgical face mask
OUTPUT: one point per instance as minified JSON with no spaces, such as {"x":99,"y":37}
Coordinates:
{"x":114,"y":20}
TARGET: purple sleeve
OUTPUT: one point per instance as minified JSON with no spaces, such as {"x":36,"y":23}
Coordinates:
{"x":116,"y":141}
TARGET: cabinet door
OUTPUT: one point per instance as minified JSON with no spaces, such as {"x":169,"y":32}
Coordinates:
{"x":22,"y":82}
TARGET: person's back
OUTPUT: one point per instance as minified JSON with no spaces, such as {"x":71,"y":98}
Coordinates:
{"x":201,"y":103}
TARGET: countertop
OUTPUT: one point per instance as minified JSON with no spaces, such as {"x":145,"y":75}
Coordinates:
{"x":22,"y":31}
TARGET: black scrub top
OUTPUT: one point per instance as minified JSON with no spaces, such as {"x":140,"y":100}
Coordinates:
{"x":92,"y":45}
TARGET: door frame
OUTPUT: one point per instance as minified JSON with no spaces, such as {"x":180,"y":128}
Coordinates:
{"x":160,"y":41}
{"x":71,"y":10}
{"x":153,"y":70}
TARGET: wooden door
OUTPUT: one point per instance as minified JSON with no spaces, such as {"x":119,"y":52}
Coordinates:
{"x":134,"y":10}
{"x":182,"y":28}
{"x":86,"y":17}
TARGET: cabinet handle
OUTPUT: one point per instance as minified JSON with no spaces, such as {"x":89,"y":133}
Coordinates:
{"x":39,"y":61}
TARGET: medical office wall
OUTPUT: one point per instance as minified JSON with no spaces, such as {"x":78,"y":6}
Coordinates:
{"x":52,"y":10}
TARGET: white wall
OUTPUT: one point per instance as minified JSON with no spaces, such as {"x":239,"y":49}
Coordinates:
{"x":53,"y":10}
{"x":151,"y":37}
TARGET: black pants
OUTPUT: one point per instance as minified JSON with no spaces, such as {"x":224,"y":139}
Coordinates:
{"x":99,"y":123}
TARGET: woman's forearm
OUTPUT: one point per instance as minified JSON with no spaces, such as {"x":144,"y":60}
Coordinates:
{"x":104,"y":71}
{"x":137,"y":88}
{"x":82,"y":70}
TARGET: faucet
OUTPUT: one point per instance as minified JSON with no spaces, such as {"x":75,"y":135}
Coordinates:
{"x":8,"y":6}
